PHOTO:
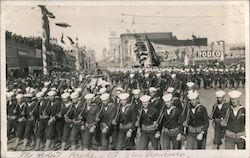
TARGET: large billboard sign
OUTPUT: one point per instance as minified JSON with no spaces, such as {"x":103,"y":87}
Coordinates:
{"x":212,"y":54}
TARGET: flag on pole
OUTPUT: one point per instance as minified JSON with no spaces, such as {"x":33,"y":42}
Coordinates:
{"x":152,"y":54}
{"x":71,"y":41}
{"x":63,"y":24}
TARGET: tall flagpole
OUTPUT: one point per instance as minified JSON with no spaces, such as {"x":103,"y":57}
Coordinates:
{"x":45,"y":35}
{"x":44,"y":49}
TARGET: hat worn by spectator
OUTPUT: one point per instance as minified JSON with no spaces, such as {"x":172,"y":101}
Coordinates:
{"x":170,"y":90}
{"x":123,"y":96}
{"x":19,"y":96}
{"x":51,"y":93}
{"x":145,"y":98}
{"x":152,"y":89}
{"x":193,"y":95}
{"x":65,"y":95}
{"x":190,"y":84}
{"x":74,"y":95}
{"x":119,"y":89}
{"x":39,"y":94}
{"x":136,"y":91}
{"x":146,"y":75}
{"x":9,"y":94}
{"x":234,"y":94}
{"x":104,"y":96}
{"x":167,"y":97}
{"x":220,"y":93}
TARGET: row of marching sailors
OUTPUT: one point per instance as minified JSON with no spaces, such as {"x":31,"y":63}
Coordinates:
{"x":120,"y":123}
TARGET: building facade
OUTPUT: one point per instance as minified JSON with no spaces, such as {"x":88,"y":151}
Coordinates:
{"x":167,"y":46}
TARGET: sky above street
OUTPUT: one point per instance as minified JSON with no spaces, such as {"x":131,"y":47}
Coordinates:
{"x":93,"y":24}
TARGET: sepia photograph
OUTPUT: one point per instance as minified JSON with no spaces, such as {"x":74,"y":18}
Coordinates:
{"x":83,"y":77}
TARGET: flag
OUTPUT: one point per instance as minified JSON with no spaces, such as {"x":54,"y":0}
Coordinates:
{"x":62,"y":39}
{"x":71,"y":41}
{"x":63,"y":25}
{"x":46,"y":11}
{"x":154,"y":58}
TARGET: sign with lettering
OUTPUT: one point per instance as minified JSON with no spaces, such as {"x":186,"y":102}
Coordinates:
{"x":212,"y":54}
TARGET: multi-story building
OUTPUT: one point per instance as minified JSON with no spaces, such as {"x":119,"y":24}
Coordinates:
{"x":167,"y":46}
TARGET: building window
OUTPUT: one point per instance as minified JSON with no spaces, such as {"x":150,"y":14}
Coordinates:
{"x":38,"y":53}
{"x":22,"y":53}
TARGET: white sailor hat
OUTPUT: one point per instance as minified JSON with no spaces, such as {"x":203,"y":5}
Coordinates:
{"x":28,"y":95}
{"x":51,"y":93}
{"x":190,"y":91}
{"x":158,"y":74}
{"x":44,"y":90}
{"x":152,"y":89}
{"x":145,"y":98}
{"x":220,"y":93}
{"x":131,"y":75}
{"x":19,"y":96}
{"x":102,"y":90}
{"x":193,"y":95}
{"x":170,"y":90}
{"x":67,"y":90}
{"x":32,"y":90}
{"x":65,"y":95}
{"x":27,"y":89}
{"x":123,"y":96}
{"x":74,"y":95}
{"x":173,"y":75}
{"x":46,"y":83}
{"x":39,"y":94}
{"x":119,"y":89}
{"x":190,"y":84}
{"x":136,"y":91}
{"x":53,"y":89}
{"x":167,"y":97}
{"x":9,"y":94}
{"x":104,"y":96}
{"x":146,"y":75}
{"x":89,"y":96}
{"x":234,"y":94}
{"x":79,"y":89}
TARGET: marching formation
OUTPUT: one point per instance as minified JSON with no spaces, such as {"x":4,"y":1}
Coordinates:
{"x":128,"y":109}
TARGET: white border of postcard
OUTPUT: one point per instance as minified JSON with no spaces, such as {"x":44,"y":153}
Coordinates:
{"x":121,"y":154}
